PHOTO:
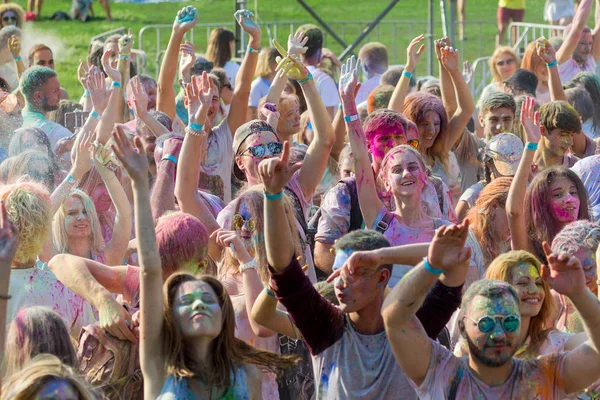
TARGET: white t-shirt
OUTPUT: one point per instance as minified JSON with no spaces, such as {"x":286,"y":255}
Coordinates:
{"x":366,"y":88}
{"x":258,"y":90}
{"x":215,"y":173}
{"x":40,"y":287}
{"x":325,"y":86}
{"x":231,"y":69}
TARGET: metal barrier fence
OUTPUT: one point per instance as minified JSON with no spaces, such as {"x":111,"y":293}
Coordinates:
{"x":396,"y":35}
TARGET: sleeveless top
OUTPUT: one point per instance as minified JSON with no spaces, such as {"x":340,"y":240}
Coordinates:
{"x":178,"y":388}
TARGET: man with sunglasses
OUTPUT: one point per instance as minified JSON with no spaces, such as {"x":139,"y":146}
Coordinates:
{"x":490,"y":324}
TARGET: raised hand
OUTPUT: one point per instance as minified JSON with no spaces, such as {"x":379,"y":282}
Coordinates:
{"x":269,"y":111}
{"x":447,"y":249}
{"x":188,"y":58}
{"x":545,"y":50}
{"x":82,"y":156}
{"x":439,"y":44}
{"x":467,"y":72}
{"x":96,"y":84}
{"x":116,"y":320}
{"x":244,"y":18}
{"x":140,"y":98}
{"x":185,"y":20}
{"x":83,"y":71}
{"x":296,"y":44}
{"x":349,"y":79}
{"x":231,"y":240}
{"x":9,"y":239}
{"x":171,"y":146}
{"x":199,"y":96}
{"x":112,"y":73}
{"x":530,"y":119}
{"x":125,"y":42}
{"x":360,"y":263}
{"x":292,"y":67}
{"x":450,"y":60}
{"x":14,"y":45}
{"x":413,"y":52}
{"x":564,"y":274}
{"x":134,"y":159}
{"x":277,"y":172}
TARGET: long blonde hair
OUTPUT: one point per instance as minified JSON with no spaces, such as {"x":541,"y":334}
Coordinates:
{"x":60,"y":238}
{"x":492,"y":61}
{"x":501,"y":269}
{"x":253,"y":198}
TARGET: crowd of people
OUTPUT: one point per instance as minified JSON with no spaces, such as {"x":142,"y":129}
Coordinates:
{"x":294,"y":227}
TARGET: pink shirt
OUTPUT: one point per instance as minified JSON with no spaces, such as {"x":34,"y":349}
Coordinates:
{"x":570,"y":68}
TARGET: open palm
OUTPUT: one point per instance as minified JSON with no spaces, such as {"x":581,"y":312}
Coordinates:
{"x":447,"y":249}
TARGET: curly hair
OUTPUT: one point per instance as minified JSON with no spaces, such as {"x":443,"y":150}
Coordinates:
{"x":28,"y":208}
{"x":576,"y":236}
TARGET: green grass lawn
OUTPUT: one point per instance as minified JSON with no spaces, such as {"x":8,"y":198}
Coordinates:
{"x":71,"y":38}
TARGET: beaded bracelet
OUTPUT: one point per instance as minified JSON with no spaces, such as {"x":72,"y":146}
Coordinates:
{"x":430,"y":269}
{"x":193,"y":132}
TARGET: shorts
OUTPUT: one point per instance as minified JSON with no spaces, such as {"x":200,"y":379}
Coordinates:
{"x":506,"y":14}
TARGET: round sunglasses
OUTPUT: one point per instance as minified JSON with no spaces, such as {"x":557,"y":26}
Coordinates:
{"x":487,"y":323}
{"x":239,"y":222}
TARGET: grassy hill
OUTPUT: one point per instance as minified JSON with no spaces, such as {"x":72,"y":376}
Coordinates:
{"x":70,"y":39}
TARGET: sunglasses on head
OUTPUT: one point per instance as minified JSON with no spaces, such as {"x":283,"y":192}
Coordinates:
{"x":265,"y":150}
{"x":486,"y":324}
{"x":239,"y":222}
{"x":414,"y":143}
{"x":507,"y":62}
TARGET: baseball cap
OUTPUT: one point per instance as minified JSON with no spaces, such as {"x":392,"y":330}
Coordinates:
{"x":241,"y":134}
{"x":200,"y":65}
{"x":506,"y":150}
{"x":524,"y":80}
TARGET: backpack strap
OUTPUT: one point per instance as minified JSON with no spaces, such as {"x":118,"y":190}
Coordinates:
{"x":385,"y":222}
{"x":356,"y":218}
{"x":439,"y":189}
{"x":455,"y":382}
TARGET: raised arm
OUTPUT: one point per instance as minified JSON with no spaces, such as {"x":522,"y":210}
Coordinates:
{"x":96,"y":283}
{"x":14,"y":45}
{"x":266,"y":313}
{"x":565,"y":52}
{"x":243,"y":82}
{"x":114,"y":252}
{"x":163,"y":197}
{"x":446,"y":86}
{"x":124,"y":67}
{"x":565,"y":275}
{"x":184,"y":21}
{"x":402,"y":87}
{"x":111,"y":114}
{"x":140,"y":106}
{"x":82,"y":76}
{"x":457,"y":122}
{"x":152,"y":359}
{"x":186,"y":62}
{"x":546,"y":51}
{"x":515,"y":203}
{"x":369,"y":201}
{"x":408,"y":340}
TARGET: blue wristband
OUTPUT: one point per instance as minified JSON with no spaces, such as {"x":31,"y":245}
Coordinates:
{"x":17,"y":59}
{"x":430,"y":269}
{"x":407,"y":74}
{"x":269,"y":292}
{"x":124,"y":58}
{"x":86,"y":93}
{"x":251,"y":50}
{"x":274,"y":196}
{"x":196,"y":127}
{"x":115,"y":84}
{"x":308,"y":78}
{"x":94,"y":114}
{"x":170,"y":158}
{"x":531,"y":146}
{"x":552,"y":64}
{"x":350,"y":118}
{"x":340,"y":106}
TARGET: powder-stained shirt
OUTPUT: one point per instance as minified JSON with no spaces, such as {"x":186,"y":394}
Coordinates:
{"x":570,"y":68}
{"x":471,"y":195}
{"x":540,"y":378}
{"x":348,"y":364}
{"x":467,"y":154}
{"x":40,"y":287}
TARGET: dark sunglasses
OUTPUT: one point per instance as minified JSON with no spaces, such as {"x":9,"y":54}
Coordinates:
{"x":8,"y":18}
{"x":486,"y":324}
{"x":239,"y":222}
{"x":265,"y":150}
{"x":507,"y":62}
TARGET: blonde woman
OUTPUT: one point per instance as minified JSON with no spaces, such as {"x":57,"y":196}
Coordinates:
{"x":265,"y":73}
{"x":76,"y":228}
{"x":503,"y":63}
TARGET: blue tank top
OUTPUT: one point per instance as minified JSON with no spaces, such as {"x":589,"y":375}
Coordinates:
{"x":178,"y":388}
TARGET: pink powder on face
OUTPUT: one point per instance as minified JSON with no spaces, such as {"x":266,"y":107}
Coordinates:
{"x":566,"y":209}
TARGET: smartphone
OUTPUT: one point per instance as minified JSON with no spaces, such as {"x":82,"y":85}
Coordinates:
{"x":75,"y":120}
